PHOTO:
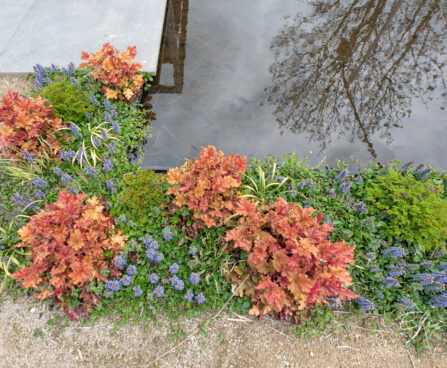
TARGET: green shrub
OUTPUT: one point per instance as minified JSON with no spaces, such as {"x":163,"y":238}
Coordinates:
{"x":414,"y":211}
{"x":143,"y":191}
{"x":69,"y":103}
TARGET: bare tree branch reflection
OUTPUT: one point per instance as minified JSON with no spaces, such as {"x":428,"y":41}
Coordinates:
{"x":354,"y":66}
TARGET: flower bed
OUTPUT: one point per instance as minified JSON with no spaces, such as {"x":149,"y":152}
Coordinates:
{"x":92,"y":233}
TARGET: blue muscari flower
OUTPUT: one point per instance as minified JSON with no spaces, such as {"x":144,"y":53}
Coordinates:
{"x":332,"y":302}
{"x":120,"y":262}
{"x":179,"y":285}
{"x":438,"y":253}
{"x":107,"y":165}
{"x":371,"y":255}
{"x":174,"y":268}
{"x":154,"y":245}
{"x":71,"y":68}
{"x":137,"y":290}
{"x":75,"y":130}
{"x":395,"y":252}
{"x":328,"y":220}
{"x":192,"y":251}
{"x":364,"y":303}
{"x":107,"y":116}
{"x":114,"y":285}
{"x":57,"y":170}
{"x":39,"y":194}
{"x":113,"y":112}
{"x":441,"y":276}
{"x":96,"y":142}
{"x":426,"y":264}
{"x":28,"y":156}
{"x":54,"y":68}
{"x":109,"y":185}
{"x":131,"y":270}
{"x":66,"y":72}
{"x":90,"y":170}
{"x":121,"y":219}
{"x":173,"y":280}
{"x":67,"y":155}
{"x":442,"y":266}
{"x":159,"y":291}
{"x":407,"y":303}
{"x":88,"y":115}
{"x":200,"y":298}
{"x":74,"y":82}
{"x":38,"y":182}
{"x":439,"y":301}
{"x":422,"y":174}
{"x":17,"y":198}
{"x":424,"y":279}
{"x":359,"y":180}
{"x":153,"y":278}
{"x":390,"y":282}
{"x":342,"y":175}
{"x":345,"y":186}
{"x":151,"y":254}
{"x":167,"y":235}
{"x":361,"y":207}
{"x":158,"y":257}
{"x":126,"y":280}
{"x":108,"y":293}
{"x":379,"y":295}
{"x":194,"y":278}
{"x":73,"y":190}
{"x":107,"y":104}
{"x":116,"y":127}
{"x":189,"y":295}
{"x":434,"y":288}
{"x":111,"y":148}
{"x":397,"y":270}
{"x":148,"y":241}
{"x":93,"y":100}
{"x":104,"y":135}
{"x":66,"y":178}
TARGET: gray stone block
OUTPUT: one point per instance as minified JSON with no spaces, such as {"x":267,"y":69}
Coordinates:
{"x":56,"y":31}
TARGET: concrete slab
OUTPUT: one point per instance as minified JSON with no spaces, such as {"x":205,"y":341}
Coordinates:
{"x":56,"y":31}
{"x":11,"y":15}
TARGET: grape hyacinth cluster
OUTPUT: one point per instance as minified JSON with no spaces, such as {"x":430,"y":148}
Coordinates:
{"x":41,"y":78}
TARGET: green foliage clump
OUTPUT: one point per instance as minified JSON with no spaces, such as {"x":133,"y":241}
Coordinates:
{"x":69,"y":103}
{"x":414,"y":211}
{"x":143,"y":191}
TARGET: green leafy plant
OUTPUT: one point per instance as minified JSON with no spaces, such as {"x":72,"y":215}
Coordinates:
{"x":11,"y":258}
{"x":68,"y":102}
{"x":414,"y":211}
{"x":143,"y":191}
{"x":261,"y":188}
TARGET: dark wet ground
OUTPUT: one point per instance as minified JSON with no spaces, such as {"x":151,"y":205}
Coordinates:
{"x":346,"y":80}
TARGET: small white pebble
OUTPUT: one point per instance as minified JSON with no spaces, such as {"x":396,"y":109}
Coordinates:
{"x":32,"y":310}
{"x":311,"y":354}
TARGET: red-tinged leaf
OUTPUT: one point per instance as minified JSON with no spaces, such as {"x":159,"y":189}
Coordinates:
{"x":274,"y":295}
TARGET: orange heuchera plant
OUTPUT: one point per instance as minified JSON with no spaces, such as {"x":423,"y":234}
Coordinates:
{"x":208,"y":185}
{"x":116,"y":71}
{"x":292,"y":264}
{"x":71,"y":243}
{"x":25,"y":122}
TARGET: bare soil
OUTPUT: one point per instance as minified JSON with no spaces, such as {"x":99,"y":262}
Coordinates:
{"x":28,"y":340}
{"x":16,"y":83}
